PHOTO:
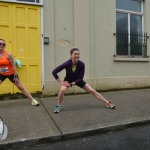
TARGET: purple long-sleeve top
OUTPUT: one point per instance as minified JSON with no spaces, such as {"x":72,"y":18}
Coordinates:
{"x":71,"y":76}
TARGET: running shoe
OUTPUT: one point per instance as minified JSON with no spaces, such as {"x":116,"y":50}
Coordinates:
{"x":35,"y":102}
{"x":110,"y":105}
{"x":57,"y":109}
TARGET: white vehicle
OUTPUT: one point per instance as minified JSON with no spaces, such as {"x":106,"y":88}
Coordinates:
{"x":3,"y":130}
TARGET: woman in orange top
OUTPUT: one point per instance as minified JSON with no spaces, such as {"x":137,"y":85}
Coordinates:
{"x":8,"y":70}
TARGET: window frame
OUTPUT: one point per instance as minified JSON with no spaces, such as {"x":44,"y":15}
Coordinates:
{"x":129,"y":13}
{"x":23,"y":2}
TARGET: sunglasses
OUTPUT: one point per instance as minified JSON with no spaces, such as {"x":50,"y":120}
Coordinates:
{"x":2,"y":44}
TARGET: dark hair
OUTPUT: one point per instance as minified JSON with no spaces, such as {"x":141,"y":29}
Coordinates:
{"x":73,"y":49}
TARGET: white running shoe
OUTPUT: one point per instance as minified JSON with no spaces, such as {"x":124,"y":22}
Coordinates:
{"x":110,"y":105}
{"x":35,"y":102}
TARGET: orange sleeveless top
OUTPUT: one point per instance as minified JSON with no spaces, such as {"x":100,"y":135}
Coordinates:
{"x":5,"y":65}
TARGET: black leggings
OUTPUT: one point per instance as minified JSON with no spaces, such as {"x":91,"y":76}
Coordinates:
{"x":81,"y":84}
{"x":10,"y":77}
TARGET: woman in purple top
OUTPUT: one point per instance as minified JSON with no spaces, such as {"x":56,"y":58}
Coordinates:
{"x":74,"y":76}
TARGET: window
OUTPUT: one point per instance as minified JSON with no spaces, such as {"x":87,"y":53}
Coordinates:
{"x":130,"y":38}
{"x":131,"y":5}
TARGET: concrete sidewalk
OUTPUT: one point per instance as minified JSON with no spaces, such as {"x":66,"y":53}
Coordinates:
{"x":80,"y":115}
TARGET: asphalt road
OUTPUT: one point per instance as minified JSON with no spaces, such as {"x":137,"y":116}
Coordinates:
{"x":137,"y":138}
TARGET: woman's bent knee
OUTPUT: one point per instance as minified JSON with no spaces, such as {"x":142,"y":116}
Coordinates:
{"x":63,"y":89}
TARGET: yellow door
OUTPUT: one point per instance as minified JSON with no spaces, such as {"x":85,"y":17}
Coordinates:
{"x":5,"y":33}
{"x":22,"y":34}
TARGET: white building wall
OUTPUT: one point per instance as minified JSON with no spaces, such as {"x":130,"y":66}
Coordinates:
{"x":89,"y":25}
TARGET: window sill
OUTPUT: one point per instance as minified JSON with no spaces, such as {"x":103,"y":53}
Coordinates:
{"x":117,"y":59}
